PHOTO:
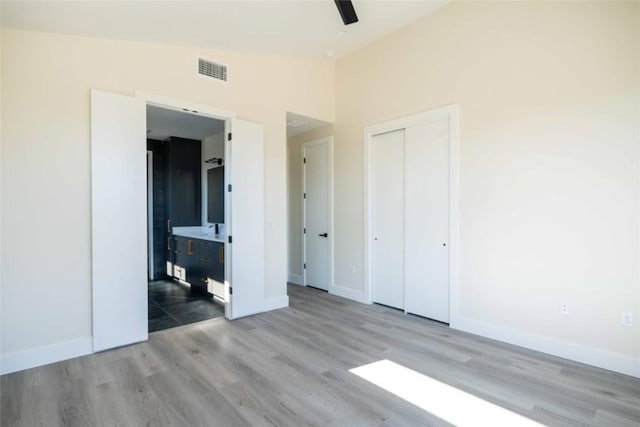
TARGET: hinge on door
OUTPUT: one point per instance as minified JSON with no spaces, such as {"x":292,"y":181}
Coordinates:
{"x":230,"y":290}
{"x":229,"y":136}
{"x":304,"y":231}
{"x":305,"y":266}
{"x":304,"y":160}
{"x":230,"y":239}
{"x":304,"y":196}
{"x":229,"y":188}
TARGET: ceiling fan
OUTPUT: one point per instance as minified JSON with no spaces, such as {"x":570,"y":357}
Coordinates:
{"x":347,"y":12}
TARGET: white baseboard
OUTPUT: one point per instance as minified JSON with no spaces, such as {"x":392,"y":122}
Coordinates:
{"x":554,"y":346}
{"x":296,"y":279}
{"x":352,"y":294}
{"x":276,"y":302}
{"x":26,"y":359}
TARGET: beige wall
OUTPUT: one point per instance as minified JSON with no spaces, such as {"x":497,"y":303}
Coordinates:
{"x":294,"y":189}
{"x":549,"y":96}
{"x":46,"y":82}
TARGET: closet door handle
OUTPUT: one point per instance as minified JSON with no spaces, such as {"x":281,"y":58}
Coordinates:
{"x":169,"y":226}
{"x":323,"y":234}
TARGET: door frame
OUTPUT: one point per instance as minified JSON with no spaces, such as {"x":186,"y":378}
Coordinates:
{"x":150,"y":254}
{"x":320,"y":141}
{"x":218,"y":114}
{"x":450,"y":112}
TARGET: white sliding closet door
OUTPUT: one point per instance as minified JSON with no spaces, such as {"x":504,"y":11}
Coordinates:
{"x":427,"y":220}
{"x":388,"y":218}
{"x":118,"y":220}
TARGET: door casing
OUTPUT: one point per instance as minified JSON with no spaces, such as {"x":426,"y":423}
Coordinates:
{"x":214,"y":113}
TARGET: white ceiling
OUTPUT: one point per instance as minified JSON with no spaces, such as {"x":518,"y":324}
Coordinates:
{"x":163,"y":123}
{"x":303,"y":28}
{"x":298,"y":124}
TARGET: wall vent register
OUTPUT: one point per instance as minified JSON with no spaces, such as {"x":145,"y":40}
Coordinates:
{"x":212,"y":69}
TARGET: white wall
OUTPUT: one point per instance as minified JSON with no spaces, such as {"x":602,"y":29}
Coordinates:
{"x":212,"y":146}
{"x":45,"y":96}
{"x":294,"y":189}
{"x":549,"y":96}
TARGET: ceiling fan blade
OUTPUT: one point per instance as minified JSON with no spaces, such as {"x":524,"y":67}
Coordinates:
{"x":347,"y":12}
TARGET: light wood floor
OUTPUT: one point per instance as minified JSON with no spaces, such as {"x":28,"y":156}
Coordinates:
{"x":291,"y":368}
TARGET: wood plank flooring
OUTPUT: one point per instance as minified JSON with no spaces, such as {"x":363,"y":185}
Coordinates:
{"x":291,"y":368}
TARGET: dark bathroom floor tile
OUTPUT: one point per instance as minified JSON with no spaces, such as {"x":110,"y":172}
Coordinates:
{"x":194,"y":311}
{"x":161,"y":323}
{"x":173,"y":304}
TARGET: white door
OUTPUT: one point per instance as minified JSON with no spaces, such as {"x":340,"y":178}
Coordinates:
{"x":317,"y":202}
{"x":245,"y":168}
{"x":118,"y":220}
{"x":427,"y":220}
{"x":388,"y":218}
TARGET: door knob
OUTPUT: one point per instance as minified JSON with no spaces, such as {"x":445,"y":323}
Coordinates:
{"x":323,"y":234}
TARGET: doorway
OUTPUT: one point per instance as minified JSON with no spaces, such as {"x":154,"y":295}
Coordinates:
{"x":317,"y":211}
{"x":186,"y":218}
{"x":411,"y":206}
{"x":119,"y":216}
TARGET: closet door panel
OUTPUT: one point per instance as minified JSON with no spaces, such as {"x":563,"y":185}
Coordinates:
{"x":427,"y":220}
{"x":388,"y":218}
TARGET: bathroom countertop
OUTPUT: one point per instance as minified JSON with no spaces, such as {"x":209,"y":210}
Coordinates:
{"x":199,"y":232}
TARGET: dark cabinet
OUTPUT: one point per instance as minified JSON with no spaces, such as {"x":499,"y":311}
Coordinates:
{"x":194,"y":270}
{"x":184,"y":181}
{"x":212,"y":260}
{"x":197,"y":261}
{"x":177,"y":198}
{"x":180,"y":257}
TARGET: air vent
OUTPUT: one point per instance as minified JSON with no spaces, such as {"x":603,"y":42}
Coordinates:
{"x":212,"y":69}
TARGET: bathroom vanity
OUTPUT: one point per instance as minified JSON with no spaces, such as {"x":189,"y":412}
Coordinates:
{"x":198,"y":258}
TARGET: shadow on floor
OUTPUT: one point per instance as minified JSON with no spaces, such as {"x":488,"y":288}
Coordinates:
{"x":172,"y":304}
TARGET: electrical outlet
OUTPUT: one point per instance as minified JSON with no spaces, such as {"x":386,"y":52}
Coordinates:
{"x":627,"y":318}
{"x":564,"y":308}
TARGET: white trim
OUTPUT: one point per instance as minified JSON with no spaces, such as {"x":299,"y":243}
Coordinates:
{"x":554,"y":346}
{"x":215,"y":113}
{"x":31,"y":358}
{"x":350,"y":293}
{"x":276,"y":303}
{"x":329,"y":141}
{"x":185,"y":106}
{"x":296,"y":279}
{"x":451,"y":113}
{"x":150,"y":252}
{"x":228,"y":163}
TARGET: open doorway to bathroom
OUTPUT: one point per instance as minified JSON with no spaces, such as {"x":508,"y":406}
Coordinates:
{"x":186,"y":217}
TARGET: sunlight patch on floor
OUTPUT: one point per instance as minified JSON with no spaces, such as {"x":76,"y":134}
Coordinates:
{"x":442,"y":400}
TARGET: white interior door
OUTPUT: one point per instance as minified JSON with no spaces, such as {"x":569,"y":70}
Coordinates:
{"x":388,"y":218}
{"x":118,"y":220}
{"x":245,"y":159}
{"x":317,"y":238}
{"x":427,"y":220}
